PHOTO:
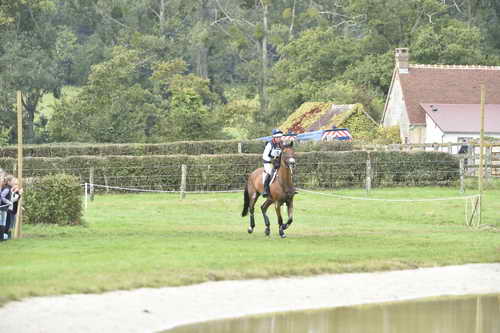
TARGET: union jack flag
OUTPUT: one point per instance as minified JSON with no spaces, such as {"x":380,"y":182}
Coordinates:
{"x":341,"y":134}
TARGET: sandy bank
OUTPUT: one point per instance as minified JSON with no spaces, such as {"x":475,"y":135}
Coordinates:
{"x":152,"y":310}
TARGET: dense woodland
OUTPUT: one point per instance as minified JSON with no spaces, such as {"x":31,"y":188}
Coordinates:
{"x":164,"y":70}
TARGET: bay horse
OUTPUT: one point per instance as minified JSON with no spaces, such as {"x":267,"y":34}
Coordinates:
{"x":282,"y":191}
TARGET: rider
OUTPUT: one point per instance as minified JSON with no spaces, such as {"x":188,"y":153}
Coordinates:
{"x":272,"y":152}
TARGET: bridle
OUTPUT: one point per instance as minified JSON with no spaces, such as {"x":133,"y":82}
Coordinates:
{"x":289,"y":161}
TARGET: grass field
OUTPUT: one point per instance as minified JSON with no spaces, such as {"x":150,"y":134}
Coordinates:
{"x":152,"y":240}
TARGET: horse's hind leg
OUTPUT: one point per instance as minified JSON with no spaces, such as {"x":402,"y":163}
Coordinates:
{"x":253,"y":200}
{"x":264,"y":208}
{"x":280,"y":220}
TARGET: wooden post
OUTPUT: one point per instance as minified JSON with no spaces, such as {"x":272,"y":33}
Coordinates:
{"x":86,"y":196}
{"x":368,"y":175}
{"x":489,"y":163}
{"x":106,"y":182}
{"x":240,"y":148}
{"x":475,"y":206}
{"x":19,"y":217}
{"x":462,"y":172}
{"x":91,"y":180}
{"x":481,"y":153}
{"x":183,"y":181}
{"x":470,"y":159}
{"x":450,"y":149}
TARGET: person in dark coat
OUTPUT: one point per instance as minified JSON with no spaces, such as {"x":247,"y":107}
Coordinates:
{"x":12,"y":213}
{"x":5,"y":204}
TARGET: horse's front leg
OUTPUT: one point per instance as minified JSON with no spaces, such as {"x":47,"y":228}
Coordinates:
{"x":280,"y":220}
{"x":264,"y":208}
{"x":289,"y":205}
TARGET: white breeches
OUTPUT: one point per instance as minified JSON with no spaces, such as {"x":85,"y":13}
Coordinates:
{"x":268,"y":170}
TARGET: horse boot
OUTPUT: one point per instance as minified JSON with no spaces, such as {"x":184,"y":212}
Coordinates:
{"x":267,"y":191}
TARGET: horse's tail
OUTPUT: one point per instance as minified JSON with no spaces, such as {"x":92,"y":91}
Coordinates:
{"x":246,"y":202}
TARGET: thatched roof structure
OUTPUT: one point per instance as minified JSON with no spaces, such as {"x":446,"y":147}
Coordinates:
{"x":313,"y":116}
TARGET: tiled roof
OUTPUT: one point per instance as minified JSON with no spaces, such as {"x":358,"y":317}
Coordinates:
{"x":463,"y":118}
{"x":447,"y":84}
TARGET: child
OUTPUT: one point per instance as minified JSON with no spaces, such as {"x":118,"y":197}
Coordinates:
{"x":5,"y":204}
{"x":11,"y":213}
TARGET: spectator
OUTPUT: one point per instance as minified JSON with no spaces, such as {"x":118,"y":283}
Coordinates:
{"x":2,"y":176}
{"x":5,"y":204}
{"x":11,"y":213}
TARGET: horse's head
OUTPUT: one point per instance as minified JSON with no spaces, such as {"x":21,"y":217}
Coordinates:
{"x":288,"y":155}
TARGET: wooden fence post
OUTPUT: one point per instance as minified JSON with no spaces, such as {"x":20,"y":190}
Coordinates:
{"x":183,"y":181}
{"x":489,"y":163}
{"x":450,"y":149}
{"x":462,"y":172}
{"x":106,"y":182}
{"x":19,"y":216}
{"x":240,"y":148}
{"x":470,"y":159}
{"x":91,"y":180}
{"x":86,"y":196}
{"x":368,"y":174}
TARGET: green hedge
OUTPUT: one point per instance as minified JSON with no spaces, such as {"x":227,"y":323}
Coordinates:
{"x":54,"y":199}
{"x":174,"y":148}
{"x":414,"y":168}
{"x":228,"y":172}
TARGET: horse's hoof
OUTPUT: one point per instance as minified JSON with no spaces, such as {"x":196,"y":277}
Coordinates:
{"x":283,"y":236}
{"x":267,"y":232}
{"x":250,"y":230}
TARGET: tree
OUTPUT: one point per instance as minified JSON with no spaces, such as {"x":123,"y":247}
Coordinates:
{"x":112,"y":107}
{"x":135,"y":98}
{"x":31,"y":70}
{"x":453,"y":43}
{"x":308,"y":64}
{"x":26,"y":53}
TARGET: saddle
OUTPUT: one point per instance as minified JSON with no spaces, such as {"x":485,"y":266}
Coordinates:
{"x":273,"y":177}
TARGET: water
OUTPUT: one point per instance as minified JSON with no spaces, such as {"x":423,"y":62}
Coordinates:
{"x":471,"y":314}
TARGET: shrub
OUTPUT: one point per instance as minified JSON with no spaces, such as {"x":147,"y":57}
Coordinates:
{"x":388,"y":135}
{"x":54,"y":199}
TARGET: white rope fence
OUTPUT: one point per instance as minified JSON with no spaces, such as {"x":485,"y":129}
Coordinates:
{"x":473,"y":200}
{"x":390,"y":200}
{"x":157,"y":191}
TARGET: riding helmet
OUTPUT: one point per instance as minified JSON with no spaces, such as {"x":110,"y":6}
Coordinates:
{"x":277,"y":133}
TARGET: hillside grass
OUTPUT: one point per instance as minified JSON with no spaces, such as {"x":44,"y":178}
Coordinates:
{"x":152,"y":240}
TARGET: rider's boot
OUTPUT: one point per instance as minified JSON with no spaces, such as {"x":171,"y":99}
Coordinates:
{"x":265,"y":194}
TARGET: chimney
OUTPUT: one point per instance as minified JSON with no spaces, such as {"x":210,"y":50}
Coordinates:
{"x":402,"y":60}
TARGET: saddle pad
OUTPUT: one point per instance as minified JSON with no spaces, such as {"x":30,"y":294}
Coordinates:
{"x":272,"y":179}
